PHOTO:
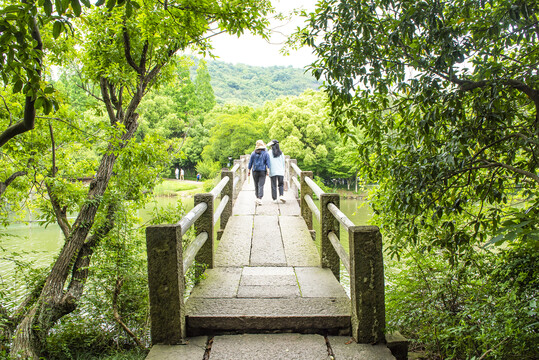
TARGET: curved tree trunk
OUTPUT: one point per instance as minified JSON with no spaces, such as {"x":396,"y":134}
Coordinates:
{"x":55,"y":301}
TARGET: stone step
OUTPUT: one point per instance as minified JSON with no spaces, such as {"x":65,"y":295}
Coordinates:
{"x":270,"y":347}
{"x":251,"y":315}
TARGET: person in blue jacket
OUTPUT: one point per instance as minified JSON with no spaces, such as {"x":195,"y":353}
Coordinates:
{"x":260,"y":164}
{"x":276,"y":171}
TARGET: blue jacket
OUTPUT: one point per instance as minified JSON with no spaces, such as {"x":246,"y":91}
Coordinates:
{"x":259,"y":161}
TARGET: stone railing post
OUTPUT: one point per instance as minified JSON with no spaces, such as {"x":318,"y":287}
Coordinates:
{"x":238,"y":173}
{"x":227,"y":190}
{"x":286,"y":172}
{"x":205,"y":224}
{"x":306,"y":212}
{"x":367,"y":284}
{"x":328,"y":223}
{"x":166,"y":284}
{"x":245,"y":162}
{"x":292,"y":173}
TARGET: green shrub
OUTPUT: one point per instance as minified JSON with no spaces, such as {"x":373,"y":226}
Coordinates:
{"x":484,"y":306}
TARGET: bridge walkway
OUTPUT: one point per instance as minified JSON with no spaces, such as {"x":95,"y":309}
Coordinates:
{"x":267,"y":297}
{"x":267,"y":276}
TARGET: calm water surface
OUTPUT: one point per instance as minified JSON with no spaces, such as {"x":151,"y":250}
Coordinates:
{"x":36,"y":243}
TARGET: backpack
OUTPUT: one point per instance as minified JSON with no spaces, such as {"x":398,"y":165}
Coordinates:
{"x":258,"y":161}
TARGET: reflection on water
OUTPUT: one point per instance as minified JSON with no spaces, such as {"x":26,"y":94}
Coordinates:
{"x":40,"y":245}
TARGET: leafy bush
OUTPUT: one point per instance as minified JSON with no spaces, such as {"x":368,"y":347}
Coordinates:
{"x":483,"y":307}
{"x":208,"y":169}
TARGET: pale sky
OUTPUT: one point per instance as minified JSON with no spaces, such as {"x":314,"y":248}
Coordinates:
{"x":253,"y":50}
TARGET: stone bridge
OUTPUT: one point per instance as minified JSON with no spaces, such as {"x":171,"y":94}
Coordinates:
{"x":267,"y":291}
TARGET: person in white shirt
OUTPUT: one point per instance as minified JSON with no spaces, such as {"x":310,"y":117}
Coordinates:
{"x":276,"y":171}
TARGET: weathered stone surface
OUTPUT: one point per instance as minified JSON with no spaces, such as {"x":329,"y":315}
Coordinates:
{"x":318,"y":282}
{"x":328,"y":223}
{"x":299,"y":247}
{"x":291,"y":207}
{"x":245,"y":203}
{"x":345,"y":348}
{"x":367,"y":284}
{"x":193,"y":350}
{"x":268,"y":207}
{"x":166,"y":283}
{"x":264,"y":291}
{"x":268,"y":276}
{"x":267,"y":246}
{"x":235,"y":246}
{"x":398,"y":345}
{"x":219,"y":283}
{"x":269,"y":347}
{"x":306,"y":315}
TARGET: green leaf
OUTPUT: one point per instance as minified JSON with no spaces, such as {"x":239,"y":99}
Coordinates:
{"x":111,"y":4}
{"x":47,"y":6}
{"x":59,"y":7}
{"x":99,"y":2}
{"x":86,"y":3}
{"x":76,"y":7}
{"x":57,"y":29}
{"x":17,"y":86}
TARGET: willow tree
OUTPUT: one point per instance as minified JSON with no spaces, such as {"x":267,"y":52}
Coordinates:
{"x":447,"y":96}
{"x":126,"y":49}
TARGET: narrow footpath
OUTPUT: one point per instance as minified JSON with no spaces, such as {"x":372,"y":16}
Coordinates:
{"x":267,"y":296}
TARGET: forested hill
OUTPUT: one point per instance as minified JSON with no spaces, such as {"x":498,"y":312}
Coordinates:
{"x":254,"y":85}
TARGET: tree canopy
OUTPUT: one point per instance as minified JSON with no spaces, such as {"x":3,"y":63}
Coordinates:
{"x":121,"y":51}
{"x":447,"y":96}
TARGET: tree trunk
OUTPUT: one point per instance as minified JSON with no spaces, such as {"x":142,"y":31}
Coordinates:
{"x":54,"y":302}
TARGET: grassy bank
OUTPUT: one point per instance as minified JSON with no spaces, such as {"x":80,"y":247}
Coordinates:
{"x":171,"y":187}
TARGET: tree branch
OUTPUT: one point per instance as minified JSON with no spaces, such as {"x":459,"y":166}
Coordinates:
{"x":80,"y":269}
{"x":10,"y":179}
{"x":103,"y":83}
{"x":28,"y":121}
{"x":127,"y":52}
{"x":513,"y":169}
{"x":117,"y":317}
{"x":7,"y":108}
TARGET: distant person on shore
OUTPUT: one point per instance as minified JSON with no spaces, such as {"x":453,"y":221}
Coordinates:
{"x":181,"y":174}
{"x":198,"y":176}
{"x":177,"y":173}
{"x":260,"y":164}
{"x":276,"y":171}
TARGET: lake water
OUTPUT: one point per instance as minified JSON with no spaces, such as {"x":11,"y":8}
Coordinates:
{"x":36,"y":243}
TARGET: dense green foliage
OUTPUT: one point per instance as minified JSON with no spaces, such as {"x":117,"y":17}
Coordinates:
{"x":251,"y":85}
{"x":120,"y":51}
{"x":446,"y":98}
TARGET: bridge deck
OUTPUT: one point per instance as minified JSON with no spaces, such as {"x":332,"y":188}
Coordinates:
{"x":267,"y":276}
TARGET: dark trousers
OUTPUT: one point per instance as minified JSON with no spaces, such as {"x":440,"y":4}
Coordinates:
{"x":276,"y":180}
{"x":260,"y":179}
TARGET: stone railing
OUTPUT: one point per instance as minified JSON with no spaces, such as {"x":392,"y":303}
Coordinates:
{"x":364,"y":261}
{"x":168,"y":262}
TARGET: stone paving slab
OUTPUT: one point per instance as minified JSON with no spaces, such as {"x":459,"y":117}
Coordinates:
{"x":267,"y":246}
{"x":268,"y":207}
{"x":194,"y":349}
{"x":268,"y":276}
{"x":270,"y":292}
{"x":318,"y":282}
{"x":345,"y":348}
{"x":218,"y":283}
{"x":269,"y":307}
{"x":291,"y":207}
{"x":245,"y":203}
{"x":234,"y":249}
{"x":269,"y":347}
{"x":300,"y":249}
